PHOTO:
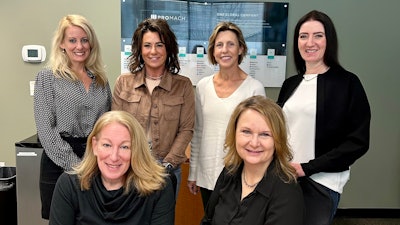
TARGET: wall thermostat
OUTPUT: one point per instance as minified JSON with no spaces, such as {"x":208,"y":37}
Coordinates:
{"x":33,"y":53}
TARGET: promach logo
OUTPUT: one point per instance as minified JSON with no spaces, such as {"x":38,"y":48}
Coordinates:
{"x":168,"y":17}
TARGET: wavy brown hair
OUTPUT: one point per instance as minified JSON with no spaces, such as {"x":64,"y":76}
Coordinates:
{"x":167,"y":36}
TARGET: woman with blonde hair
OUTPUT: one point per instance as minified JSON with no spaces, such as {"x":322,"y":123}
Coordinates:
{"x":118,"y":180}
{"x":257,"y":185}
{"x":71,"y":93}
{"x":216,"y":97}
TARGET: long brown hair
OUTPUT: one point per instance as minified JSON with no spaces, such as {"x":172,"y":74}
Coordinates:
{"x":331,"y":52}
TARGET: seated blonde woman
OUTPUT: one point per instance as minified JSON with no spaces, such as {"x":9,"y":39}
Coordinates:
{"x":257,"y":185}
{"x":118,"y":180}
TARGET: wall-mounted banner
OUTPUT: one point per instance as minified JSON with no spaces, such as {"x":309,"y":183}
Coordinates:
{"x":264,"y":26}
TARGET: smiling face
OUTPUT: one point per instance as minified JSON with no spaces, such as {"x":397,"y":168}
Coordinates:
{"x":254,"y":141}
{"x":227,"y":49}
{"x":76,"y":45}
{"x":154,"y":53}
{"x":312,"y":42}
{"x":112,"y":147}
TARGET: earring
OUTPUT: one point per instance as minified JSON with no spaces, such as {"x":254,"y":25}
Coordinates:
{"x":63,"y":50}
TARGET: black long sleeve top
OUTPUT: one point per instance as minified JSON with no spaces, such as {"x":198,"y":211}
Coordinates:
{"x":272,"y":202}
{"x":72,"y":206}
{"x":342,"y":120}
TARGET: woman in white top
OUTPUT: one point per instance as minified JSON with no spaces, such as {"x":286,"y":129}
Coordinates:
{"x":328,"y":117}
{"x":216,"y":97}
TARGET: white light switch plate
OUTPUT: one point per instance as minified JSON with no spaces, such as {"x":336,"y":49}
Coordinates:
{"x":31,"y":87}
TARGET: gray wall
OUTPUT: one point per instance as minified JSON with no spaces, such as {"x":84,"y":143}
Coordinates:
{"x":369,"y":40}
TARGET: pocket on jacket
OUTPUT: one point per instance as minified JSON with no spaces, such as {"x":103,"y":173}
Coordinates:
{"x":129,"y":97}
{"x":173,"y":107}
{"x":130,"y":102}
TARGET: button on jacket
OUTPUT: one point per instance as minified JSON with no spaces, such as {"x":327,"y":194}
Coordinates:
{"x":169,"y":110}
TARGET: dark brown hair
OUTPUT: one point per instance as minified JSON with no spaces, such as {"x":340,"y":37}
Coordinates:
{"x":331,"y":52}
{"x":167,"y":36}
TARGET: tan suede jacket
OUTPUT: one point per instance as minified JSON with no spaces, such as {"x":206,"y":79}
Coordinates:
{"x":171,"y":106}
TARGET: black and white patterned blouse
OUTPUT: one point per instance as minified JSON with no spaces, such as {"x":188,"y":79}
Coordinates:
{"x":60,"y":106}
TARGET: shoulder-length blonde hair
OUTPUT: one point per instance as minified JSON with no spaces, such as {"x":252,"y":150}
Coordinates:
{"x":60,"y":63}
{"x":145,"y":173}
{"x":226,"y":26}
{"x":275,"y":119}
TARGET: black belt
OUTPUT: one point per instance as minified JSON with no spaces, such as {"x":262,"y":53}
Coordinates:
{"x":78,"y":144}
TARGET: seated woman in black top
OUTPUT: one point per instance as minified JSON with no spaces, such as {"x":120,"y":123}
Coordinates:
{"x":257,"y":186}
{"x":118,"y":180}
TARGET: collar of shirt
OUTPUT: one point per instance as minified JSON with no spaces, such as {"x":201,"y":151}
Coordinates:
{"x":166,"y":81}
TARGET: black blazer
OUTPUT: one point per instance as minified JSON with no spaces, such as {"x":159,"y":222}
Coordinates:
{"x":342,"y":120}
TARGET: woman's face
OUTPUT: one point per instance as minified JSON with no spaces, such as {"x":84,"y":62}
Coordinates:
{"x":76,"y":45}
{"x":227,"y":49}
{"x":112,"y":147}
{"x":154,"y":52}
{"x":312,"y":42}
{"x":254,"y":141}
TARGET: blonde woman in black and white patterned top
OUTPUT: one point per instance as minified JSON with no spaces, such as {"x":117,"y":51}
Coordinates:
{"x":70,"y":95}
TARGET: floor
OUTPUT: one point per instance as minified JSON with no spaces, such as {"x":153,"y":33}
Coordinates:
{"x":366,"y":221}
{"x":189,"y":209}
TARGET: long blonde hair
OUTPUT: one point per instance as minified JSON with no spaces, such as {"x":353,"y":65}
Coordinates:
{"x":145,"y":173}
{"x":275,"y":119}
{"x":60,"y":63}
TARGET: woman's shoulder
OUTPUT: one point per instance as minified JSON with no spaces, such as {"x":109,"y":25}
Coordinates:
{"x":127,"y":75}
{"x":45,"y":77}
{"x":293,"y":78}
{"x":291,"y":82}
{"x":181,"y":78}
{"x":339,"y":71}
{"x":45,"y":73}
{"x":340,"y":74}
{"x":254,"y":82}
{"x":70,"y":180}
{"x":69,"y":176}
{"x":129,"y":79}
{"x":205,"y":80}
{"x":274,"y":185}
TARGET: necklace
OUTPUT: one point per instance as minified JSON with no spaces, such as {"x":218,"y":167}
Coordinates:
{"x":309,"y":77}
{"x":249,"y":185}
{"x":154,"y":78}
